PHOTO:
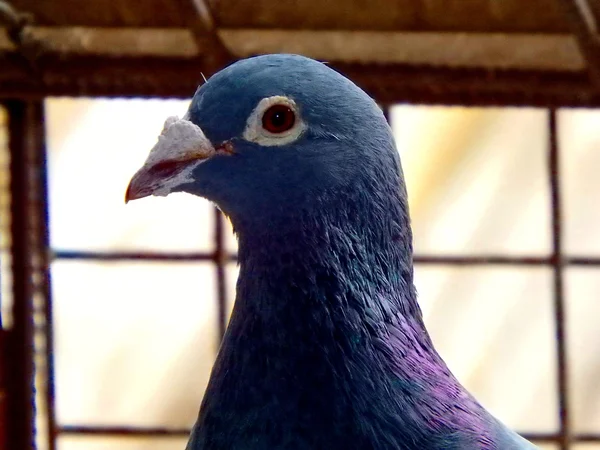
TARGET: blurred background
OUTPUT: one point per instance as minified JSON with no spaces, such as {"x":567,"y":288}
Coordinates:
{"x":128,"y":302}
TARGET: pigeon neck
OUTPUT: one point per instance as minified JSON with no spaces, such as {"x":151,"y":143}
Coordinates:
{"x":336,"y":255}
{"x":326,"y":325}
{"x":326,"y":337}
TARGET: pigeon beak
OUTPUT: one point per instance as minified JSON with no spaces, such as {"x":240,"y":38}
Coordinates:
{"x":155,"y":179}
{"x":169,"y":164}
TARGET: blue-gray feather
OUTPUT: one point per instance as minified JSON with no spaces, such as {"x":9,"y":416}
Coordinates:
{"x":326,"y":347}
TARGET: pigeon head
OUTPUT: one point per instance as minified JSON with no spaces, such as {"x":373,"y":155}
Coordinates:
{"x":271,"y":134}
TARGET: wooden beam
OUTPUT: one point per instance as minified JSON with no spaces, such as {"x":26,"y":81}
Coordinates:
{"x":556,"y":52}
{"x":203,"y":28}
{"x":157,"y":42}
{"x":447,"y":49}
{"x":392,"y":83}
{"x":584,"y":26}
{"x":535,"y":16}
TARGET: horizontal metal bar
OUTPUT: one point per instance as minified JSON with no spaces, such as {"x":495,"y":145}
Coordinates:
{"x":122,"y":431}
{"x":457,"y":260}
{"x":475,"y":260}
{"x":128,"y":431}
{"x":543,"y":438}
{"x":470,"y":260}
{"x":136,"y":256}
{"x":583,"y":261}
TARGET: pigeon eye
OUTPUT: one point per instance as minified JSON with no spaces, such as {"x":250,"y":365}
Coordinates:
{"x":275,"y":121}
{"x":278,"y":118}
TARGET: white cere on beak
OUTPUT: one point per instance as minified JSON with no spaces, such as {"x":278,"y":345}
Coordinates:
{"x":172,"y":160}
{"x":256,"y":132}
{"x":180,"y":140}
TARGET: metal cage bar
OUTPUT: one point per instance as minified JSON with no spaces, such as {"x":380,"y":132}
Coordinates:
{"x":30,"y":277}
{"x":127,"y":431}
{"x":30,"y":231}
{"x":446,"y":260}
{"x":557,"y":260}
{"x":26,"y":138}
{"x":45,"y":289}
{"x":558,"y":281}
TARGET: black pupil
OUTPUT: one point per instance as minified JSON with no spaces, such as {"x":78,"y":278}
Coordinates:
{"x":278,"y":118}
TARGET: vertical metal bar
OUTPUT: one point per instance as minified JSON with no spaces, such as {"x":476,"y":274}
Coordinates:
{"x":2,"y":150}
{"x":3,"y":333}
{"x":23,"y":140}
{"x":45,"y":288}
{"x":3,"y":392}
{"x":0,"y":284}
{"x":558,"y":264}
{"x":220,"y":258}
{"x":31,"y":278}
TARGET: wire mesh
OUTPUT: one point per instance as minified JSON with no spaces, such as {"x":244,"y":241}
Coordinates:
{"x":220,"y":256}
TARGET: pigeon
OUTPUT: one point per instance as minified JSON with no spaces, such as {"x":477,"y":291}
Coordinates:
{"x":326,"y":348}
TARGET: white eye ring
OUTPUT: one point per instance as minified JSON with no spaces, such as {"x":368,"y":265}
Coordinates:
{"x":255,"y":132}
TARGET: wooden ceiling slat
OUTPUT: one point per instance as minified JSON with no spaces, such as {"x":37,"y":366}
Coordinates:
{"x":163,"y":77}
{"x":385,"y":15}
{"x":557,"y":52}
{"x":427,"y":15}
{"x":116,"y":41}
{"x":595,"y":7}
{"x":105,"y":13}
{"x":584,"y":25}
